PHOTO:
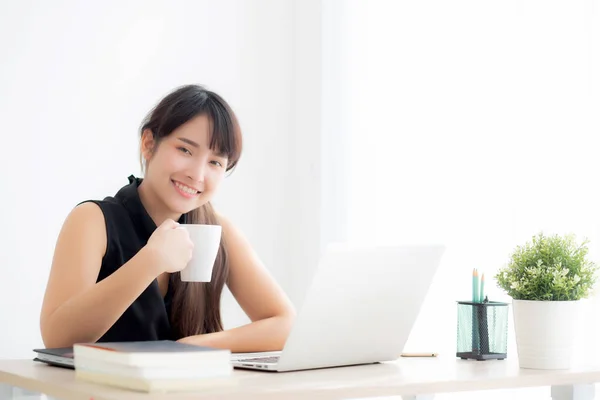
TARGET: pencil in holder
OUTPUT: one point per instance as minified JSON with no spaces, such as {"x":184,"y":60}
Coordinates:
{"x":482,"y":330}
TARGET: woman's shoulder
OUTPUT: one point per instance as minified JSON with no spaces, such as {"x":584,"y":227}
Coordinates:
{"x":223,"y":220}
{"x":85,"y":223}
{"x":230,"y":229}
{"x":88,"y":210}
{"x":93,"y":212}
{"x":108,"y":207}
{"x":98,"y":215}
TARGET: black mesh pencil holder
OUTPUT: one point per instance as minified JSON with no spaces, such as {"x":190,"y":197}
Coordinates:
{"x":482,"y":330}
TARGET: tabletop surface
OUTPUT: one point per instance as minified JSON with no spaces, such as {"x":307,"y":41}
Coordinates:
{"x":405,"y":376}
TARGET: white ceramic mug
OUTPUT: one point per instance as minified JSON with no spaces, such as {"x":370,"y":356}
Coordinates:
{"x":206,"y":240}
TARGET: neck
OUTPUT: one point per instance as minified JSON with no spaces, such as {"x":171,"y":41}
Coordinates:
{"x":155,"y":208}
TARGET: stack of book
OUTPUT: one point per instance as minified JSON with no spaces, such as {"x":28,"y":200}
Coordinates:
{"x":152,"y":366}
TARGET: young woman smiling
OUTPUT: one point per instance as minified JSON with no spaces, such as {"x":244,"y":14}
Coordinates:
{"x":116,"y":266}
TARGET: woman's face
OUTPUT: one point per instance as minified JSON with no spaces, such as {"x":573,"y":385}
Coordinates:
{"x":182,"y":170}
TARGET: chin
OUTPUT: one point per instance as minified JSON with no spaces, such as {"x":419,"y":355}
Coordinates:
{"x":179,"y":209}
{"x":182,"y":208}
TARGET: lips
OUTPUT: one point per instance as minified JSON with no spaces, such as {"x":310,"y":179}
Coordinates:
{"x":185,"y":190}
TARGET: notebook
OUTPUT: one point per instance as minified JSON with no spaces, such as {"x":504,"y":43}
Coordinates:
{"x":58,"y":357}
{"x":142,"y":354}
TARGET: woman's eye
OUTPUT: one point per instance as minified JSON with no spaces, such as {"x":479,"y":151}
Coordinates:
{"x":218,"y":164}
{"x":184,"y":150}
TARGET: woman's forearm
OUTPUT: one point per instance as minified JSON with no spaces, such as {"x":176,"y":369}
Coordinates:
{"x":89,"y":315}
{"x":268,"y":334}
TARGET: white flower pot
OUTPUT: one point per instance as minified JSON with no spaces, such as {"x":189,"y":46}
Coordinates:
{"x":545,"y":332}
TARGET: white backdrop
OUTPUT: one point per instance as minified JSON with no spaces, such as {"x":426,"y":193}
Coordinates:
{"x":77,"y":78}
{"x":473,"y":124}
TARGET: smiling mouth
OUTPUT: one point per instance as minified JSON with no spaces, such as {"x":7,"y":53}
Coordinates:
{"x":185,"y":190}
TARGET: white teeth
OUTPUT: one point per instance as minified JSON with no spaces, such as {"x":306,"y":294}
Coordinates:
{"x":185,"y":189}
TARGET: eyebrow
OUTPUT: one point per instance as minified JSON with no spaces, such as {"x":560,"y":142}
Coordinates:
{"x":188,"y":141}
{"x":196,"y":145}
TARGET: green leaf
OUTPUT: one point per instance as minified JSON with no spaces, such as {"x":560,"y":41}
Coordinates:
{"x":553,"y":268}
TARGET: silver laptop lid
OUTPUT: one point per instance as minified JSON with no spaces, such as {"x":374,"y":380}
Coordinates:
{"x":361,"y":306}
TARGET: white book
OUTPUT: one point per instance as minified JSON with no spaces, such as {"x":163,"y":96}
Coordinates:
{"x":161,"y":353}
{"x":199,"y":371}
{"x":156,"y":385}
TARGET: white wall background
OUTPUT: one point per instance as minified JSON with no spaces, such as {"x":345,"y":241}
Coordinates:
{"x":473,"y":124}
{"x":470,"y":123}
{"x":76,"y":79}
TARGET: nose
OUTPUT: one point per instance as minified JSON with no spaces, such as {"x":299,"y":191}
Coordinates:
{"x":198,"y":171}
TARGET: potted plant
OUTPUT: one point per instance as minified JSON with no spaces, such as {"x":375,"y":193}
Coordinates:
{"x":546,"y":278}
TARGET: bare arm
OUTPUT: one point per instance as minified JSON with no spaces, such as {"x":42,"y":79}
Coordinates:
{"x":75,"y":307}
{"x":267,"y":306}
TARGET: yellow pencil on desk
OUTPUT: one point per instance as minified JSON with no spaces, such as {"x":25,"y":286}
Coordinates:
{"x":418,"y":355}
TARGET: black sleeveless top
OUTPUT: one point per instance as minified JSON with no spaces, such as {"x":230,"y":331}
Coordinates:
{"x":128,"y":228}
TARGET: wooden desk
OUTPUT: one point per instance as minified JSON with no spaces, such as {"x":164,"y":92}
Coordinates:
{"x":410,"y":378}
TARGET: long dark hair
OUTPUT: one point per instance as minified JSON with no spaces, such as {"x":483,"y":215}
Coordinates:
{"x":195,"y":306}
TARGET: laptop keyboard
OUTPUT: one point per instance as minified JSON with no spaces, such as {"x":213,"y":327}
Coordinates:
{"x":270,"y":359}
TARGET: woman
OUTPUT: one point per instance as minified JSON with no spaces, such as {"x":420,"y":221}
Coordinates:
{"x":115,"y":271}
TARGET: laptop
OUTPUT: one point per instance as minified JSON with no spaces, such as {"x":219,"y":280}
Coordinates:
{"x":360,"y":309}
